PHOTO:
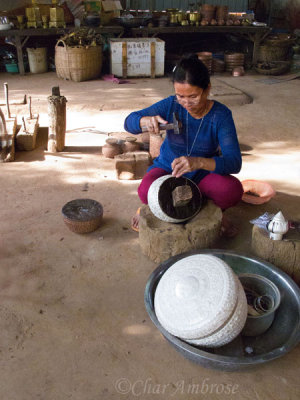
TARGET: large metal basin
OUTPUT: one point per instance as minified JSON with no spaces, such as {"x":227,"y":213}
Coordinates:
{"x":243,"y":352}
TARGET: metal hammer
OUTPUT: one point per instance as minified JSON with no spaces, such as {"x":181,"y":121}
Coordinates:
{"x":175,"y":126}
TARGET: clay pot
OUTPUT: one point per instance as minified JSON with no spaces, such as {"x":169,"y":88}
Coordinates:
{"x":222,"y":12}
{"x":208,"y":12}
{"x":155,"y":143}
{"x":111,"y":148}
{"x":130,"y":145}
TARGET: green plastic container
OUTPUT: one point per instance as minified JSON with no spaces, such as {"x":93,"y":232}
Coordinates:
{"x":12,"y":68}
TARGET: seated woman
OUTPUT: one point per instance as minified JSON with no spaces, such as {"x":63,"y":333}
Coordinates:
{"x":207,"y":151}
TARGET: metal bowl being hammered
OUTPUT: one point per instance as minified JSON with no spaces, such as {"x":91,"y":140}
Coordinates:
{"x":244,"y":352}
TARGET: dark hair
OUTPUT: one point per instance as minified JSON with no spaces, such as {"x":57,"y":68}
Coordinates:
{"x":190,"y":69}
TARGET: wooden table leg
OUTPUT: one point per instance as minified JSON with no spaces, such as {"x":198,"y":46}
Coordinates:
{"x":20,"y":55}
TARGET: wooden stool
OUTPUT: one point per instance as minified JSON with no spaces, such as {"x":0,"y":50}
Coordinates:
{"x":283,"y":254}
{"x":160,"y":240}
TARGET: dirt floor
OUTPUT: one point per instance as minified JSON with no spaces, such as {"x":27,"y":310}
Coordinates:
{"x":72,"y":317}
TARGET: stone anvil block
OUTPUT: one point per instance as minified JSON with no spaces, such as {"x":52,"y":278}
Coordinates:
{"x":26,"y":138}
{"x":131,"y":166}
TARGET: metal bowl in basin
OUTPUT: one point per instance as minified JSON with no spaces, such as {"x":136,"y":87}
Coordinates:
{"x":243,"y":352}
{"x":264,"y":288}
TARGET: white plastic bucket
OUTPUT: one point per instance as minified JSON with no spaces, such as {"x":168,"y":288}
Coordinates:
{"x":37,"y":60}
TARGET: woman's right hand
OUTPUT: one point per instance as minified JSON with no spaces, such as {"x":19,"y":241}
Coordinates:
{"x":151,"y":124}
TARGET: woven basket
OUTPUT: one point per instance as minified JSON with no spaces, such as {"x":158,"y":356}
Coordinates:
{"x":280,"y":40}
{"x":82,"y":215}
{"x":206,"y":58}
{"x":77,"y":63}
{"x":272,"y":53}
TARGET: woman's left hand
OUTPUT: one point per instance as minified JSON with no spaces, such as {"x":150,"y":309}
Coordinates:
{"x":182,"y":165}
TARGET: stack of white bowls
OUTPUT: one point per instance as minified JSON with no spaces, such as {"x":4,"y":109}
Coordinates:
{"x":200,"y":300}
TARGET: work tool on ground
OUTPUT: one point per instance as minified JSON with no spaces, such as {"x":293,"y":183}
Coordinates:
{"x":3,"y":131}
{"x":26,"y":137}
{"x":24,"y":101}
{"x":29,"y":107}
{"x":175,"y":126}
{"x":6,"y":99}
{"x":8,"y":145}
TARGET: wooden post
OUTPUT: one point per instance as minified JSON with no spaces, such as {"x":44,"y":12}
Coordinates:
{"x":152,"y":73}
{"x":57,"y":121}
{"x":124,"y":60}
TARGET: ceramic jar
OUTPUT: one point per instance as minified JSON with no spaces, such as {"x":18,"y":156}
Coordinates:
{"x":130,"y":145}
{"x":111,"y":148}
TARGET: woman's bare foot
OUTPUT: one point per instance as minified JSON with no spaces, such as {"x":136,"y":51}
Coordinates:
{"x":228,"y":229}
{"x":135,"y":220}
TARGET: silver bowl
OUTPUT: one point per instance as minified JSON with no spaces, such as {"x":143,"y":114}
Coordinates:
{"x":258,"y":324}
{"x":245,"y":351}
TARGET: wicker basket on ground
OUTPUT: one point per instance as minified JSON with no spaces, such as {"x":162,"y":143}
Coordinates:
{"x":276,"y":48}
{"x":206,"y":58}
{"x":218,"y":65}
{"x":233,"y":60}
{"x":78,"y":63}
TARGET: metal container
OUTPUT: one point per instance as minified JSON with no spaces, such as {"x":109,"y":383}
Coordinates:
{"x":244,"y":351}
{"x":256,"y":325}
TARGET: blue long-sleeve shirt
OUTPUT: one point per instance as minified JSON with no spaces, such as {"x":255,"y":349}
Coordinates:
{"x":216,"y":138}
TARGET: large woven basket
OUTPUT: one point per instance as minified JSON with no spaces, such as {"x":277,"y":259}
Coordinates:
{"x":272,"y":53}
{"x":77,"y":63}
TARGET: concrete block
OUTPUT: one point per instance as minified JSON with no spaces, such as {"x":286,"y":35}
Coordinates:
{"x":142,"y":162}
{"x":125,"y":166}
{"x":26,"y":139}
{"x":132,"y":165}
{"x":8,"y":145}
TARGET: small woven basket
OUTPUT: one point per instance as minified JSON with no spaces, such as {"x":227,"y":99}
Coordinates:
{"x":82,"y":215}
{"x":77,"y":63}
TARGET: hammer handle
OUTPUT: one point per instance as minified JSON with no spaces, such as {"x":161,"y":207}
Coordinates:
{"x":162,"y":127}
